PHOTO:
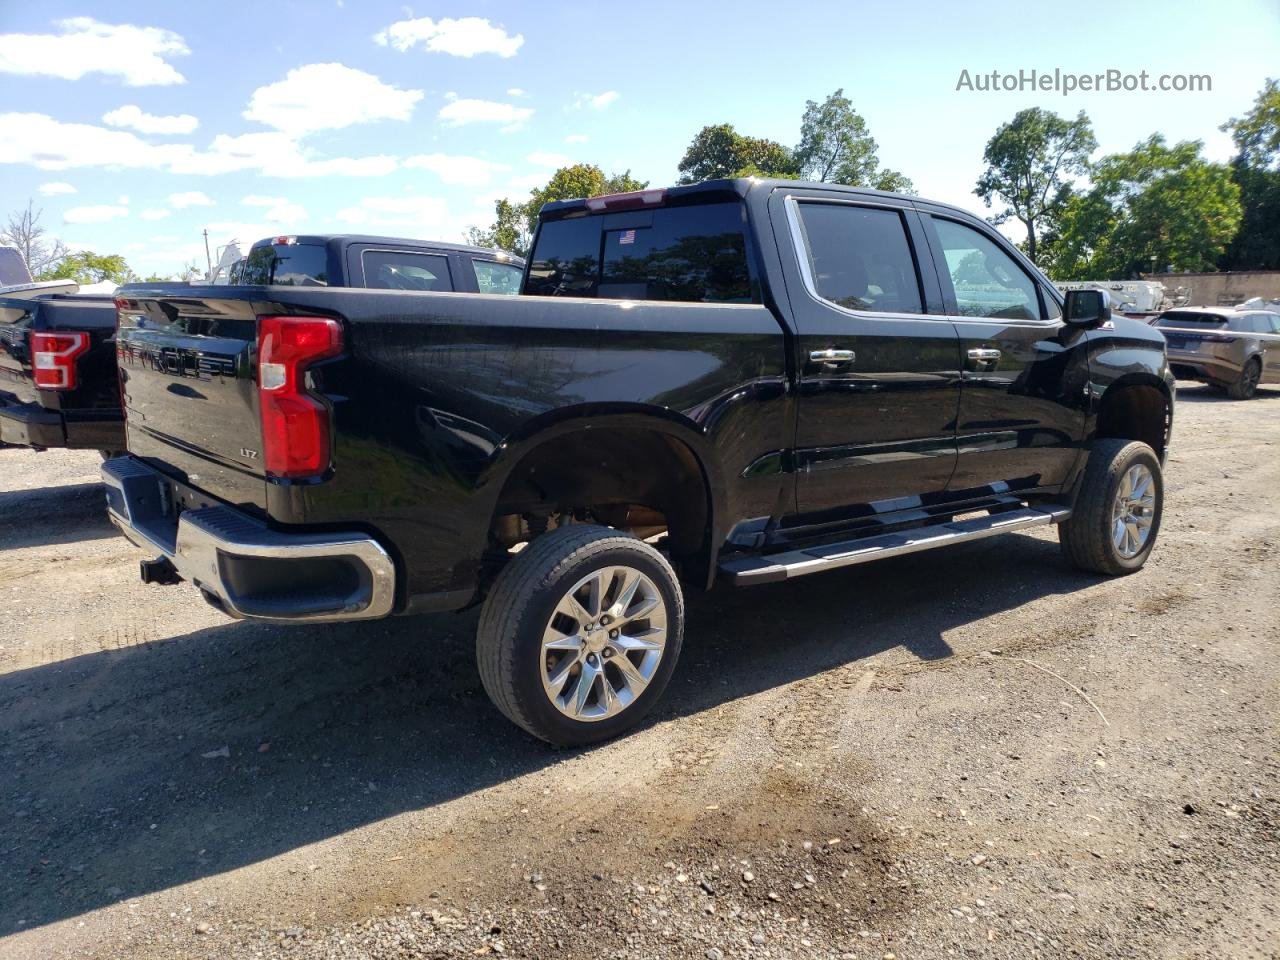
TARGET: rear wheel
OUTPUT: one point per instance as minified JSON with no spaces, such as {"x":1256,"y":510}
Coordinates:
{"x":579,"y":636}
{"x":1246,"y":385}
{"x":1116,"y":517}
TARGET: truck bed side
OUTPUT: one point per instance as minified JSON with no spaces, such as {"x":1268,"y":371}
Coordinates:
{"x":437,"y":396}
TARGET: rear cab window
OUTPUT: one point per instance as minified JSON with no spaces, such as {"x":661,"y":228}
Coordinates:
{"x":697,"y":253}
{"x":286,"y":264}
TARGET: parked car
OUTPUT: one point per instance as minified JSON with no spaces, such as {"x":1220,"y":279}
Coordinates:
{"x":1234,"y":350}
{"x":744,"y":380}
{"x":58,"y":383}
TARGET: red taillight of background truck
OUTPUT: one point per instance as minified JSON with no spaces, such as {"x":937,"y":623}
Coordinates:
{"x":53,"y":358}
{"x":295,"y":424}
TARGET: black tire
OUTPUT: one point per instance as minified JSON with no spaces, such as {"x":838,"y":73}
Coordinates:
{"x":1086,"y":538}
{"x":519,"y":607}
{"x":1246,"y":385}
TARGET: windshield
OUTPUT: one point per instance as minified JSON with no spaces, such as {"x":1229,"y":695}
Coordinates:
{"x":287,"y":264}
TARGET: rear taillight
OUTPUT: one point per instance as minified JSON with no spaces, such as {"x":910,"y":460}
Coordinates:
{"x":53,"y":358}
{"x":295,"y":425}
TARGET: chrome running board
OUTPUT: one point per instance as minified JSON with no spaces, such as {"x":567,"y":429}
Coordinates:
{"x":743,"y":571}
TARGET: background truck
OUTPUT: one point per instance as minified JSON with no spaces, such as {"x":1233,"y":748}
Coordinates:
{"x":744,"y":381}
{"x":58,"y":384}
{"x":58,"y":370}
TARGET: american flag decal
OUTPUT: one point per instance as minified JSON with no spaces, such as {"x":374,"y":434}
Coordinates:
{"x":627,"y":236}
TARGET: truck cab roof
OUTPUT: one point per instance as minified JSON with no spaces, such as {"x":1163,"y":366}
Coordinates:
{"x":347,"y":239}
{"x":711,"y":190}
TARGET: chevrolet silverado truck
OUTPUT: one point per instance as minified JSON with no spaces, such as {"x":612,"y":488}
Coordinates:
{"x":742,"y":381}
{"x":58,"y":371}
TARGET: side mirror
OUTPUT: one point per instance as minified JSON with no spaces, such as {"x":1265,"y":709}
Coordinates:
{"x":1087,"y":308}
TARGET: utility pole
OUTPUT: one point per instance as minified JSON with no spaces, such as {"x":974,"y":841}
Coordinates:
{"x":207,"y":259}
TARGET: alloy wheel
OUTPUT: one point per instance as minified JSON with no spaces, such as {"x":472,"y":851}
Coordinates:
{"x":603,"y":643}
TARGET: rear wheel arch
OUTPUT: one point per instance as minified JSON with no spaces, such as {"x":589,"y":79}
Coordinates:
{"x":606,"y":464}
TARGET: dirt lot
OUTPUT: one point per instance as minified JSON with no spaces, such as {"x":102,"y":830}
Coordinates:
{"x":888,"y":760}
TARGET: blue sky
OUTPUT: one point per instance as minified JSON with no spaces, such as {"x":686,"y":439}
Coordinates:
{"x":137,"y":125}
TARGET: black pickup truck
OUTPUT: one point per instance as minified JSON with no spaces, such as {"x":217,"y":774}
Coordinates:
{"x":58,"y":372}
{"x":740,"y":380}
{"x":58,"y":384}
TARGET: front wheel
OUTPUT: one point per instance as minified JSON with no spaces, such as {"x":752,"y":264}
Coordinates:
{"x":1116,"y":517}
{"x":579,"y":636}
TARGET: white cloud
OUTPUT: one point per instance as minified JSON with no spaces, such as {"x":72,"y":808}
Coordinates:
{"x":597,"y":101}
{"x":456,"y":170}
{"x":96,"y":213}
{"x":420,"y":212}
{"x":457,"y":113}
{"x":49,"y":144}
{"x":463,"y":37}
{"x":55,"y":188}
{"x":576,"y":138}
{"x":278,"y":209}
{"x":328,"y":96}
{"x":132,"y":116}
{"x":540,"y":158}
{"x":123,"y":199}
{"x":191,"y":198}
{"x":137,"y":55}
{"x":527,"y":181}
{"x":154,"y":214}
{"x":517,"y":92}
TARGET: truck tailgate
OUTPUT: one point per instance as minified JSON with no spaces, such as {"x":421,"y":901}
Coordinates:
{"x":190,"y":391}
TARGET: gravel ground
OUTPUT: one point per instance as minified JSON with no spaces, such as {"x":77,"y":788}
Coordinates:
{"x":974,"y":752}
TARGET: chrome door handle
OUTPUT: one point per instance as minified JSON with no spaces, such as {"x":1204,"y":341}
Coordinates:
{"x":984,"y":355}
{"x":832,"y":358}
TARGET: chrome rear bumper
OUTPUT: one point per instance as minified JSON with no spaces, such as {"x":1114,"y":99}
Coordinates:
{"x":248,"y":568}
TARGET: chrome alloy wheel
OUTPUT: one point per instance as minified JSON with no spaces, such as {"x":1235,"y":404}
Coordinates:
{"x":603,"y":643}
{"x":1133,"y":511}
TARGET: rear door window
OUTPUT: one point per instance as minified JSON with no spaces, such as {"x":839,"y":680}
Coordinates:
{"x":405,"y":270}
{"x":693,"y":254}
{"x":860,"y":259}
{"x":495,"y":277}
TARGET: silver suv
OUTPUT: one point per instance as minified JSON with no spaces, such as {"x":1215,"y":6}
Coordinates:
{"x":1228,"y":348}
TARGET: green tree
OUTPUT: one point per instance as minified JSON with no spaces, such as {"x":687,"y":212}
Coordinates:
{"x":893,"y":181}
{"x":836,"y":146}
{"x":720,"y":151}
{"x":513,"y":229}
{"x":85,"y":266}
{"x":1157,"y":204}
{"x":508,"y":232}
{"x":1029,"y":162}
{"x":1256,"y":171}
